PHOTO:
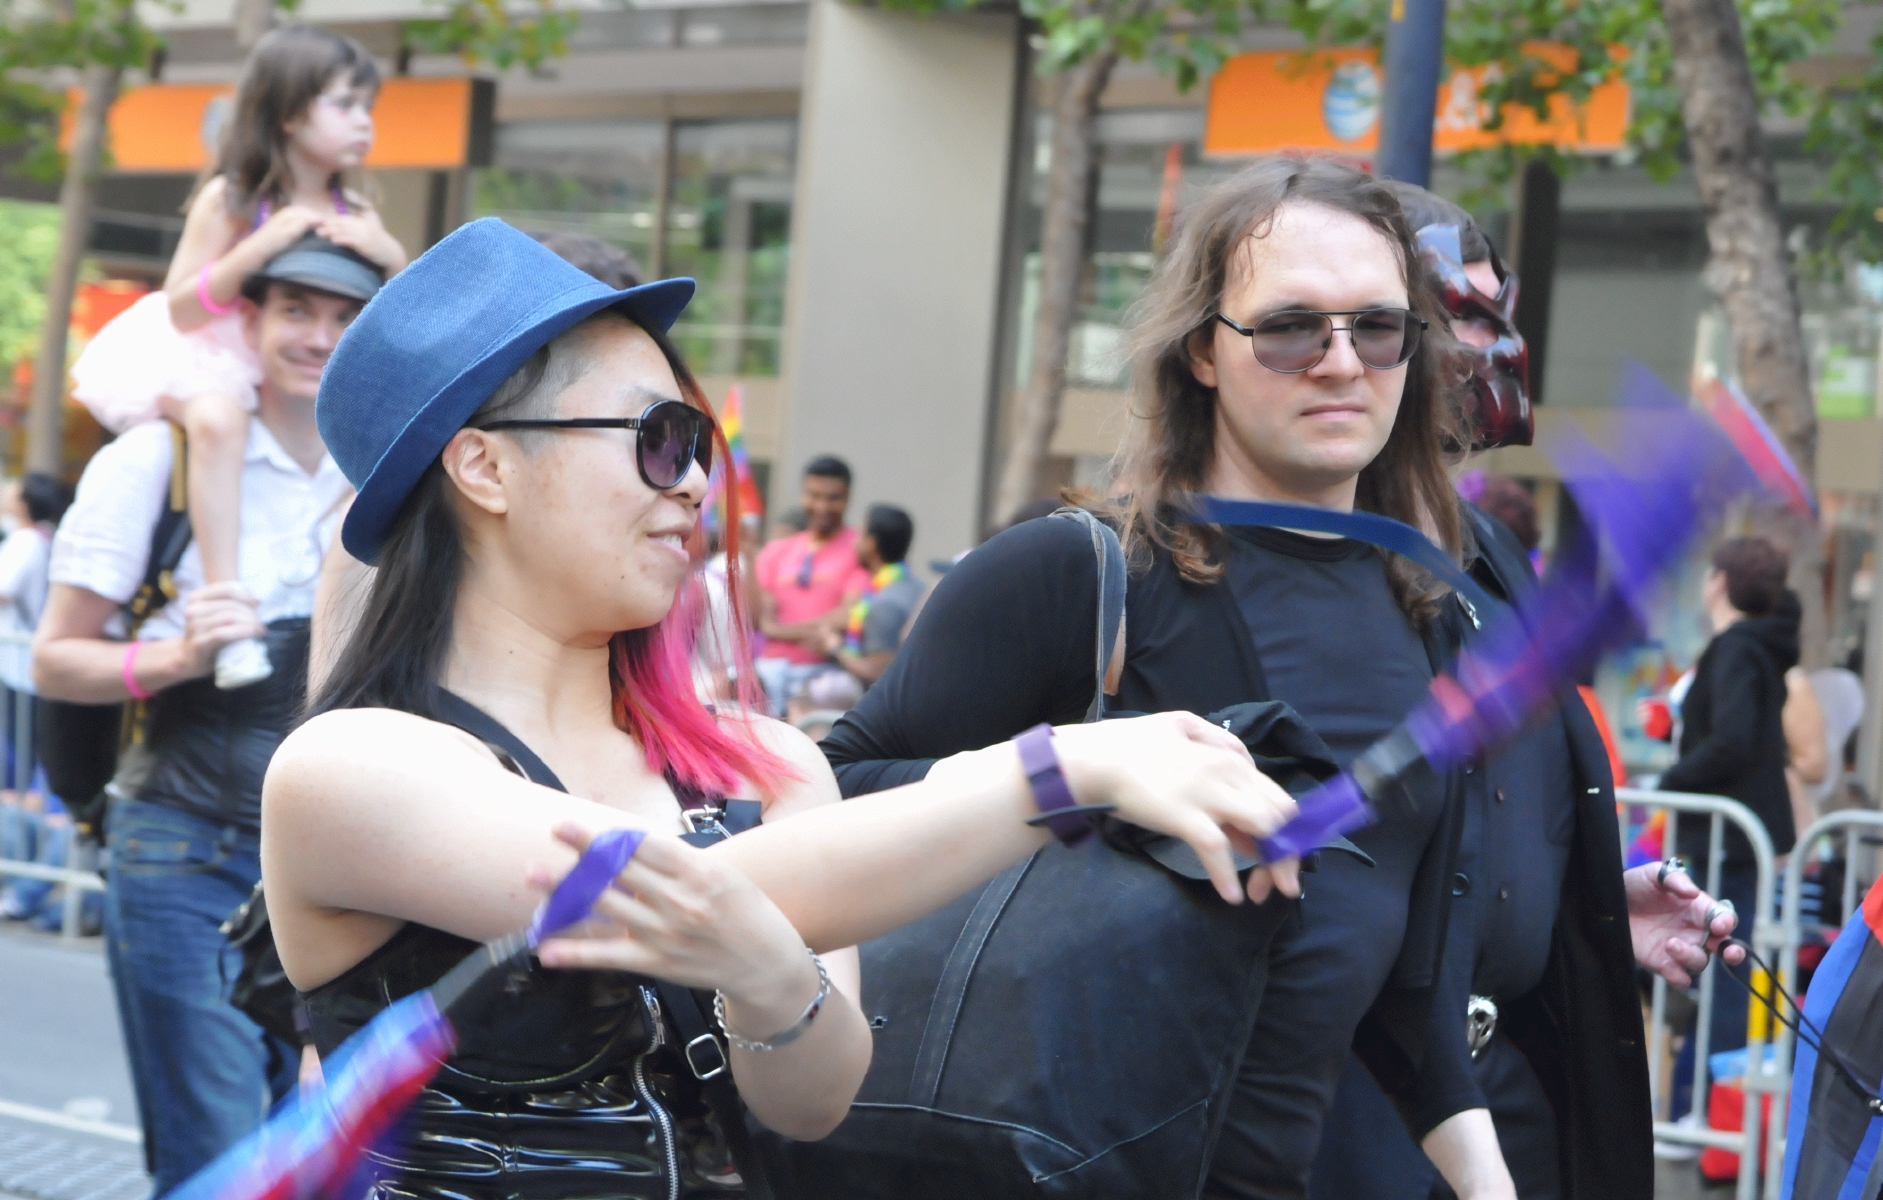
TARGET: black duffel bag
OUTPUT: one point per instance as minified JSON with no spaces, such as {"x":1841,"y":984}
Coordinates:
{"x":1071,"y":1029}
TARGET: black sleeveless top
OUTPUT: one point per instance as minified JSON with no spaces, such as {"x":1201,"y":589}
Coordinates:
{"x":566,"y":1085}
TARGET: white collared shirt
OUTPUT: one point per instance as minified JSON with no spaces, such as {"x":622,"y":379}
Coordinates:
{"x":288,"y":520}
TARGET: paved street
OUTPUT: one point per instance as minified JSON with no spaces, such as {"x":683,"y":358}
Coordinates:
{"x":68,"y":1122}
{"x":67,"y":1116}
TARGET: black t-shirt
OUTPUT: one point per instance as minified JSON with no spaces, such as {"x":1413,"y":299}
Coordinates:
{"x":1332,"y":640}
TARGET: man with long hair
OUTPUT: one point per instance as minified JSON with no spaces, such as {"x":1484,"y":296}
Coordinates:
{"x":1290,"y":347}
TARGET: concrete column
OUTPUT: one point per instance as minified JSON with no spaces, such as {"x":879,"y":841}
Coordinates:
{"x":905,"y":143}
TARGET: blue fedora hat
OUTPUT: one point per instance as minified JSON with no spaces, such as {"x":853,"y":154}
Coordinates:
{"x":432,"y":346}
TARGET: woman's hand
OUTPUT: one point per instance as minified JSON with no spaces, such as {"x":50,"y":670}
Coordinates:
{"x":680,"y":914}
{"x":1667,"y":918}
{"x":1177,"y":774}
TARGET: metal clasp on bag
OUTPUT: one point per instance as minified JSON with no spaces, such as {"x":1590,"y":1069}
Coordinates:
{"x":1480,"y":1023}
{"x":718,"y":1057}
{"x":708,"y":819}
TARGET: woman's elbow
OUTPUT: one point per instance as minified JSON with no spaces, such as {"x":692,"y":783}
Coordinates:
{"x":809,"y":1119}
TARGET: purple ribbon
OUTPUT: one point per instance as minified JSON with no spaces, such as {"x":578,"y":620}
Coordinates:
{"x":1325,"y":813}
{"x":606,"y":857}
{"x":1671,"y":472}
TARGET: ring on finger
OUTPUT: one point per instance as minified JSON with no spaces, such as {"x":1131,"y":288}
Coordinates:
{"x":1718,"y":909}
{"x":1668,"y":866}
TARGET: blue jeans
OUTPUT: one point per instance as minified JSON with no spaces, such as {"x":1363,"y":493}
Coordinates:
{"x":205,"y":1074}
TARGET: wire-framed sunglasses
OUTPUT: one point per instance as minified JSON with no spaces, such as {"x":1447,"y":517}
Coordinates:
{"x":1295,"y":340}
{"x":673,"y":436}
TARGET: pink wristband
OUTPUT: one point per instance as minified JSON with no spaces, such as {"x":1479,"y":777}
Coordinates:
{"x":208,"y":299}
{"x":129,"y":671}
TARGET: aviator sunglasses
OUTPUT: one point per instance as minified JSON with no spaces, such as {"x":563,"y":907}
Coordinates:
{"x":1295,"y":340}
{"x":673,"y":437}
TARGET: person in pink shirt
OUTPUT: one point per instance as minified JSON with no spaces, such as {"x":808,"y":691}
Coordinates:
{"x":807,"y":583}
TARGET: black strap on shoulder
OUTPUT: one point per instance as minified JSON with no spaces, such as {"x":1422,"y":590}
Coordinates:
{"x":169,"y":538}
{"x":1111,"y":598}
{"x":699,"y":1046}
{"x":454,"y":709}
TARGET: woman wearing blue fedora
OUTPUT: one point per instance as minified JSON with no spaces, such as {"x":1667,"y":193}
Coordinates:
{"x":531,"y":455}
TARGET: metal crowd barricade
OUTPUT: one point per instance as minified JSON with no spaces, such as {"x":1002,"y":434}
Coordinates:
{"x":1763,"y":1077}
{"x":1852,"y":824}
{"x":20,"y":766}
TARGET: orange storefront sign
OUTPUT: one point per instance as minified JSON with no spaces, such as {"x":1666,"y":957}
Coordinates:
{"x":1329,"y":100}
{"x":424,"y":123}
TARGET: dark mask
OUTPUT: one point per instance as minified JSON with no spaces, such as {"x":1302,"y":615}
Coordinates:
{"x":1498,"y":406}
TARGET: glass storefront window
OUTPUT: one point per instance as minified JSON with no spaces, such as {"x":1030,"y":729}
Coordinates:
{"x":729,"y":187}
{"x":601,"y":178}
{"x":729,"y":226}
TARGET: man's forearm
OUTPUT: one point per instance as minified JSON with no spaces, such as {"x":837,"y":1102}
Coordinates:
{"x":804,"y":633}
{"x":866,"y":667}
{"x":91,"y":670}
{"x":1464,"y":1149}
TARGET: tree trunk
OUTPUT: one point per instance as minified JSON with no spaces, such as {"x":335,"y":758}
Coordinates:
{"x":45,"y":420}
{"x":1062,"y":266}
{"x":1750,"y":267}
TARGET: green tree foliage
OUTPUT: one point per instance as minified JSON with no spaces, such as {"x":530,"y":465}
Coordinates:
{"x":37,"y":37}
{"x":491,"y":31}
{"x":1186,"y":39}
{"x":1606,"y":38}
{"x":30,"y":232}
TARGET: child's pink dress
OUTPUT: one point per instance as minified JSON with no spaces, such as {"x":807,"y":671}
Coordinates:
{"x":140,"y":356}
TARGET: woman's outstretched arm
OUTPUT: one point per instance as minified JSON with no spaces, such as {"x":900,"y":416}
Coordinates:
{"x":372,"y":818}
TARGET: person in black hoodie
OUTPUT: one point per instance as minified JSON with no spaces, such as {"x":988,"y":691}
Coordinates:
{"x":1732,"y":742}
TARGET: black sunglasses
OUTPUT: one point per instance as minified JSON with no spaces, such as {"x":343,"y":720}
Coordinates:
{"x":1294,"y":340}
{"x":674,"y":436}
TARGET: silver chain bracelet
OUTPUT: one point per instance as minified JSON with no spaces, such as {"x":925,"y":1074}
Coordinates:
{"x":778,"y":1040}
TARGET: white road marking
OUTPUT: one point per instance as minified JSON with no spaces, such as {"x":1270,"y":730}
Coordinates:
{"x":59,"y":1120}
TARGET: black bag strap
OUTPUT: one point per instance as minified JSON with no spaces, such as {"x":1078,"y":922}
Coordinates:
{"x":1111,"y":598}
{"x":699,"y":1045}
{"x":952,"y":988}
{"x":697,"y":1042}
{"x":169,"y":538}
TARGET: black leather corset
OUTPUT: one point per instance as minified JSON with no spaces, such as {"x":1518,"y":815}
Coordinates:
{"x":566,"y":1085}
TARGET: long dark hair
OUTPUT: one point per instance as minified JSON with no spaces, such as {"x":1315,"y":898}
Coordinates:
{"x":395,"y":656}
{"x":1172,"y":437}
{"x":288,"y":68}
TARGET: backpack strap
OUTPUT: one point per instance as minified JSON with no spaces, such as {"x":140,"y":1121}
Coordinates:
{"x":705,"y":1055}
{"x":169,"y":538}
{"x":1111,"y":599}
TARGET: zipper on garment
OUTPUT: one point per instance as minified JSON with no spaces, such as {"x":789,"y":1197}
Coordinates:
{"x":663,"y":1122}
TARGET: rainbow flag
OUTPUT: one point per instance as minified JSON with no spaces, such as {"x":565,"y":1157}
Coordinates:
{"x":732,"y":424}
